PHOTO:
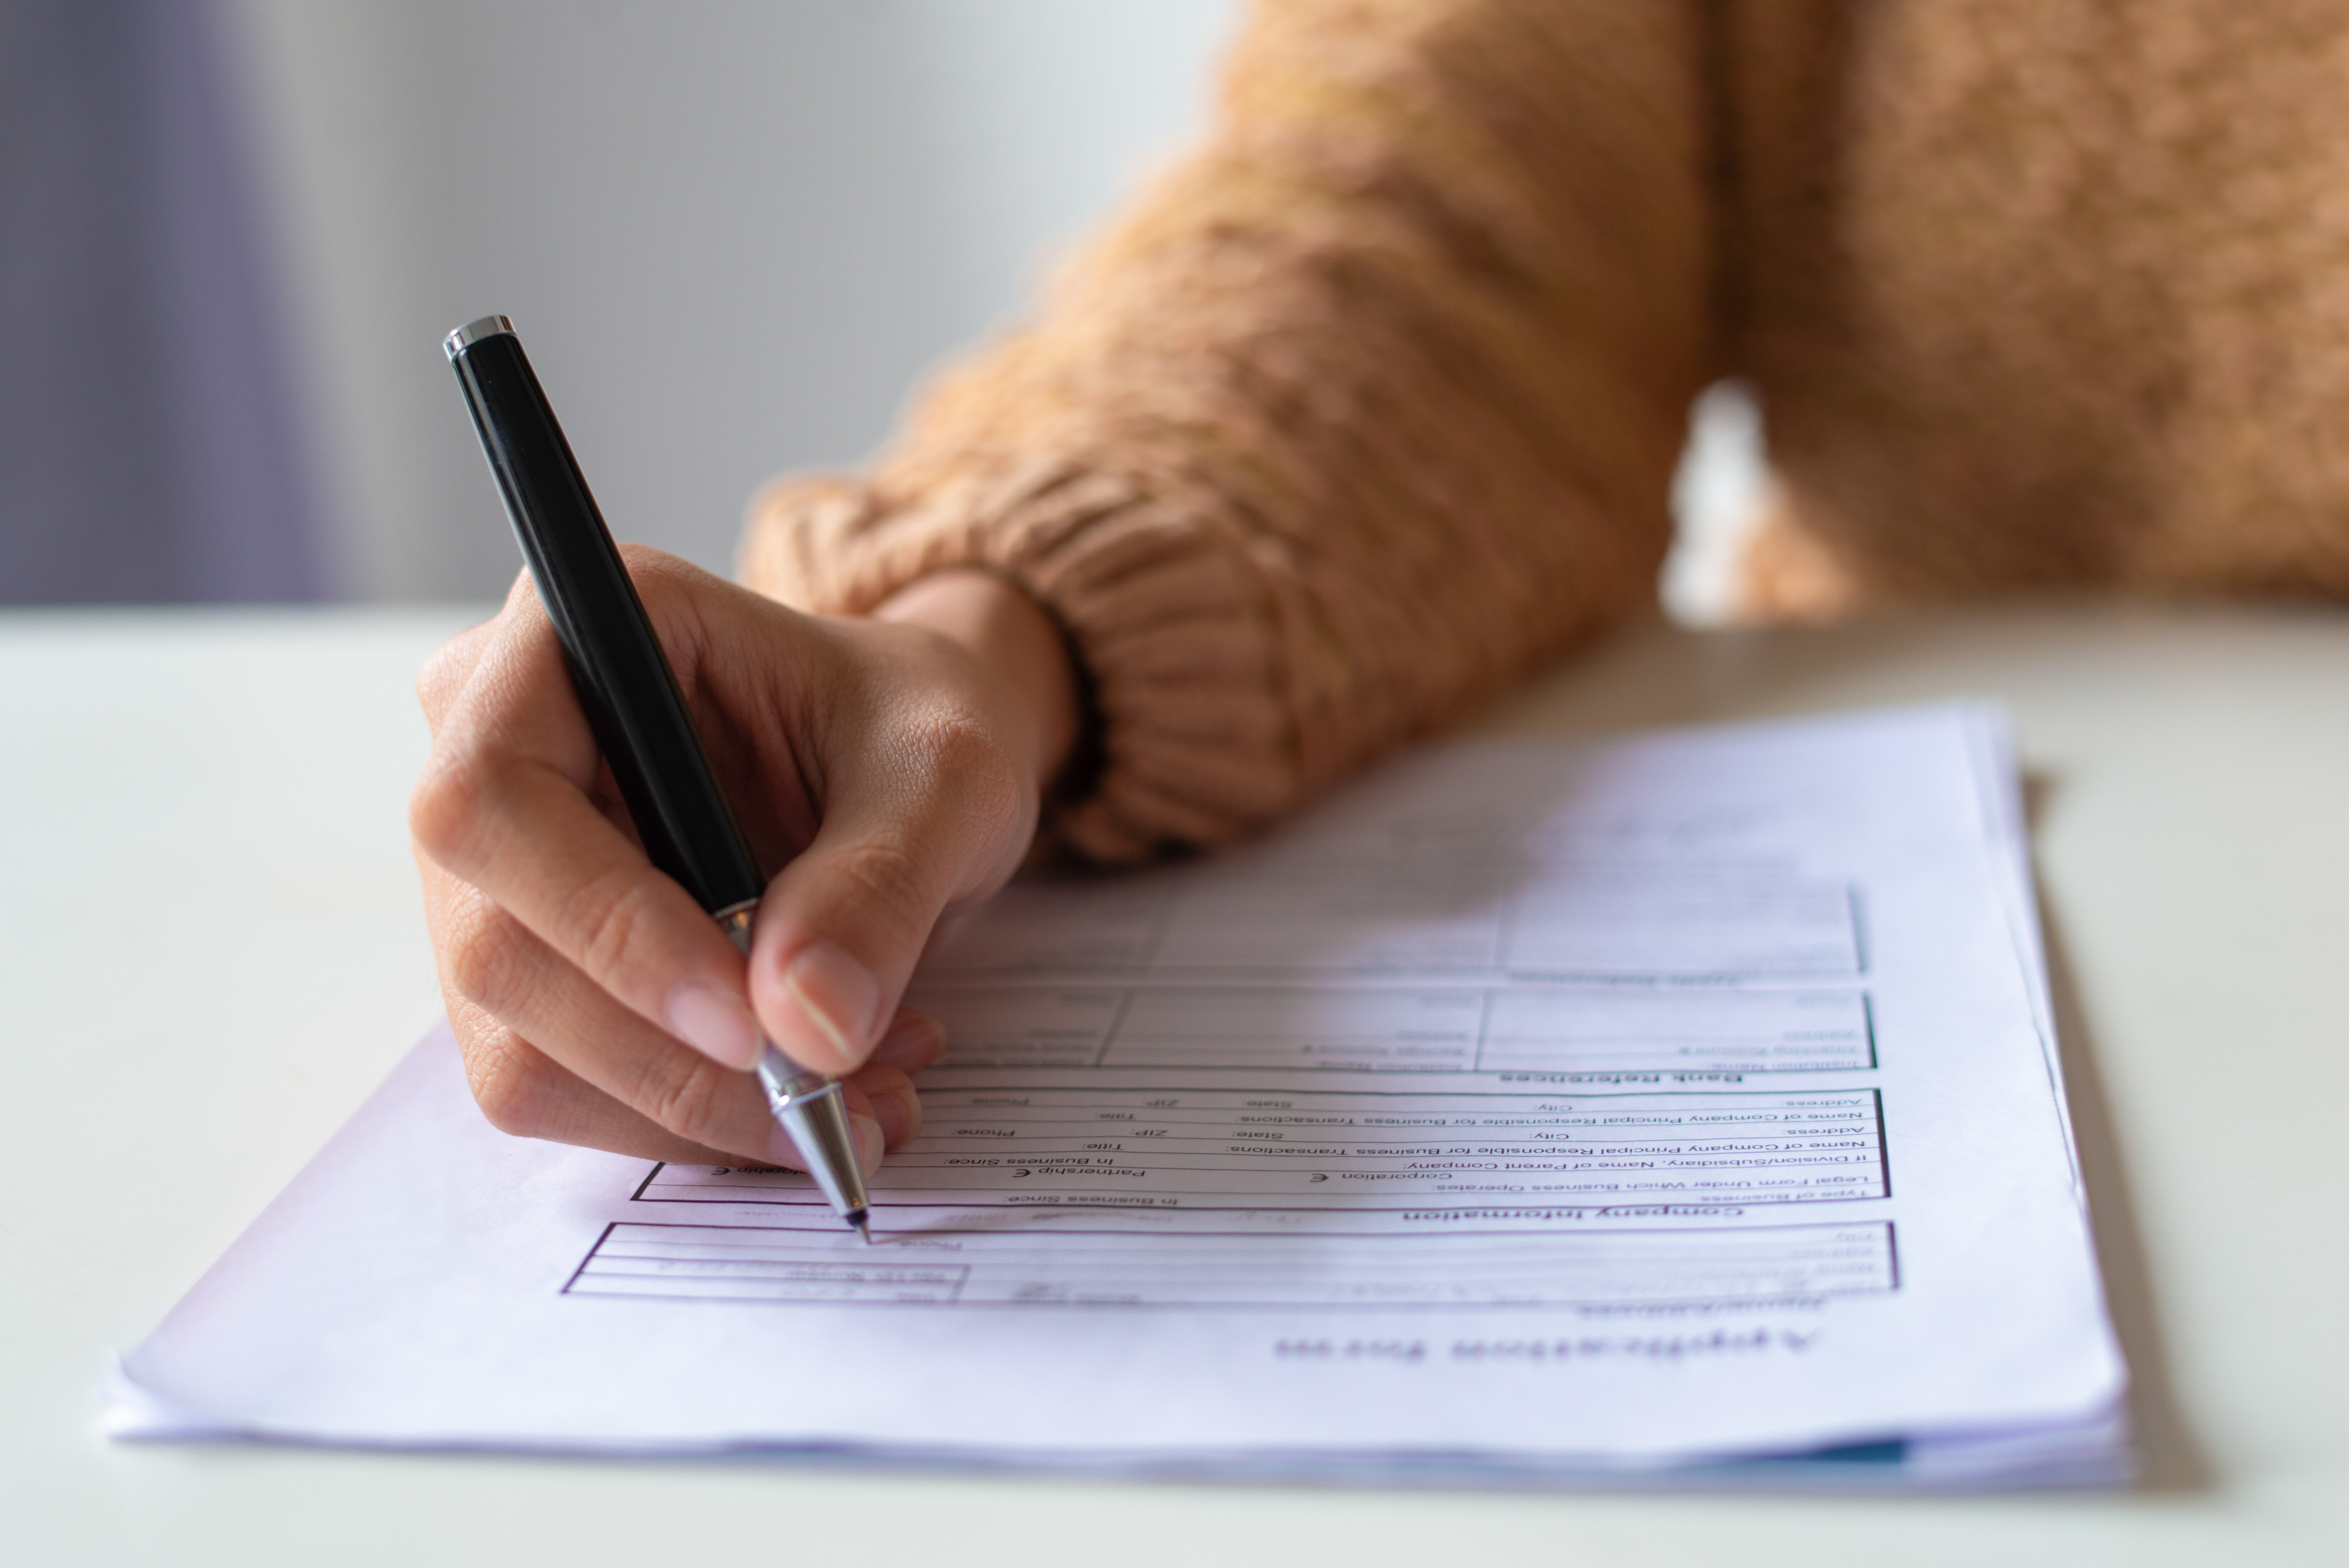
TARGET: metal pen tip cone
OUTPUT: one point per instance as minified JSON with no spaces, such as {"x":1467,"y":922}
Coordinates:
{"x":863,"y":1227}
{"x":814,"y":1113}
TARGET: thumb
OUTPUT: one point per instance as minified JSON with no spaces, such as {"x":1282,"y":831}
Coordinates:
{"x":842,"y":928}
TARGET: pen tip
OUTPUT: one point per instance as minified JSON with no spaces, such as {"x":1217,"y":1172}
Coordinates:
{"x":863,"y":1227}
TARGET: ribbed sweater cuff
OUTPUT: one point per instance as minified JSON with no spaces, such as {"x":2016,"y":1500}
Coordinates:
{"x":1159,"y":603}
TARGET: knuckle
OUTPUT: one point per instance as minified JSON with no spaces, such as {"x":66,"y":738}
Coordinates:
{"x":603,"y":922}
{"x":676,"y":594}
{"x":951,"y":736}
{"x":690,"y":1098}
{"x":878,"y":1079}
{"x":512,"y":1083}
{"x":446,"y":674}
{"x":644,"y":557}
{"x":435,"y":681}
{"x":659,"y":576}
{"x":886,"y":875}
{"x":963,"y":759}
{"x":442,"y":809}
{"x":487,"y":955}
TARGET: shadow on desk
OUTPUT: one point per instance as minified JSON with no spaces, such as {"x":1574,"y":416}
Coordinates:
{"x":2172,"y":1460}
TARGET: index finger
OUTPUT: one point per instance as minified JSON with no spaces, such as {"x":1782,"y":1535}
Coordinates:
{"x":449,"y":670}
{"x":503,"y":805}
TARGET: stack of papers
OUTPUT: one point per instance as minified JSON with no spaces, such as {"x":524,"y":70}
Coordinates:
{"x":1678,"y":1111}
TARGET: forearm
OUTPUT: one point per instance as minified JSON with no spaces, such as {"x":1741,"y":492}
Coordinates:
{"x":1367,"y":407}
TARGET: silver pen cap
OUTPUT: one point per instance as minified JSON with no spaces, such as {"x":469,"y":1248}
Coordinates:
{"x":473,"y":332}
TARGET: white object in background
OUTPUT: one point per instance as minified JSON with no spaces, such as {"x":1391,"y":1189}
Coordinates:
{"x":1719,"y":495}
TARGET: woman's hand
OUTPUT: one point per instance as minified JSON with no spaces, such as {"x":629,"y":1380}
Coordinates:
{"x":891,"y":767}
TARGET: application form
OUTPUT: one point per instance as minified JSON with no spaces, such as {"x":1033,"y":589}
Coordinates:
{"x":1676,"y":1109}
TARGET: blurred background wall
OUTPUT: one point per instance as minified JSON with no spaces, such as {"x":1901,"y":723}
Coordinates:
{"x":148,"y":446}
{"x":734,"y":234}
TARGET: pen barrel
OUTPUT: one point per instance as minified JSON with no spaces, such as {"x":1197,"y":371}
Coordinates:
{"x":624,"y":680}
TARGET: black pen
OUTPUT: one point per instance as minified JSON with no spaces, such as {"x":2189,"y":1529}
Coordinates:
{"x":633,"y":705}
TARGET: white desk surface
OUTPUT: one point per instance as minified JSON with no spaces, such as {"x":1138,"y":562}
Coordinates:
{"x":210,"y":951}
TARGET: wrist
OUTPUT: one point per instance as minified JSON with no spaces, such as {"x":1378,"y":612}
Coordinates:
{"x":1012,"y":636}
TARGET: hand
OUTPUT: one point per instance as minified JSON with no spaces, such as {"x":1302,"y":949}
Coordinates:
{"x":891,"y":767}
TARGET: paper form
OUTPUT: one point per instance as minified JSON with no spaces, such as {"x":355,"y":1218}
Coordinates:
{"x":1527,"y":1112}
{"x":1301,"y":1149}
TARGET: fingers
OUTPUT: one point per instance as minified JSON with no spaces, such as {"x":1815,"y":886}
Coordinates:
{"x":503,"y":807}
{"x":523,"y":1092}
{"x":933,"y":815}
{"x":598,"y":1004}
{"x":895,"y":1106}
{"x":912,"y":1042}
{"x":446,"y":674}
{"x":496,"y":964}
{"x":612,"y":1082}
{"x":930,"y":789}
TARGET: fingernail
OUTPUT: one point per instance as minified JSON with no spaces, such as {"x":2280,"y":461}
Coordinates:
{"x":900,"y":1115}
{"x":912,"y":1043}
{"x":714,"y":1022}
{"x":869,"y":1141}
{"x":837,"y":998}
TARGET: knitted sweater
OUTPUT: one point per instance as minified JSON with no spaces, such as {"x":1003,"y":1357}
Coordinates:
{"x":1371,"y":402}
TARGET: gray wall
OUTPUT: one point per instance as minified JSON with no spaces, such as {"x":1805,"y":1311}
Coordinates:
{"x":733,"y":234}
{"x":147,"y":447}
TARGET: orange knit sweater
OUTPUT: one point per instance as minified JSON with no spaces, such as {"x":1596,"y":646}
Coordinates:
{"x":1372,"y":402}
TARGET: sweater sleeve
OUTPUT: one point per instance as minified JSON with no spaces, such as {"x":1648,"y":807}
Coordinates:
{"x":1363,"y":408}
